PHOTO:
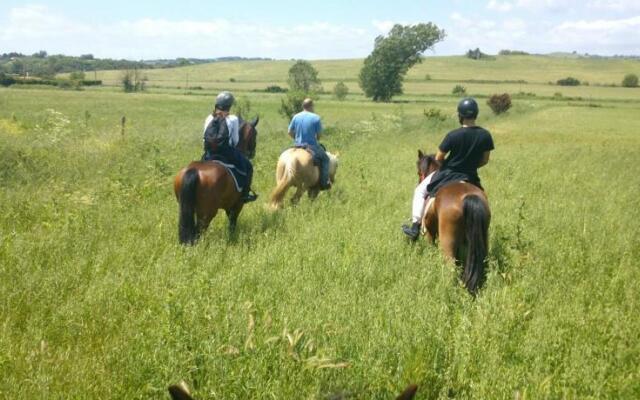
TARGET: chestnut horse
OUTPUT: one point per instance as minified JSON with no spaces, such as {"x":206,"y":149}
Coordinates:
{"x":460,"y":216}
{"x":204,"y":187}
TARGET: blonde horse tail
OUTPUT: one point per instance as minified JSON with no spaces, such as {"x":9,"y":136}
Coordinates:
{"x":284,"y":173}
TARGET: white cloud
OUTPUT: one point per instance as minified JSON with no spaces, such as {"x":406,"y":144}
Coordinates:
{"x":570,"y":6}
{"x":600,"y":36}
{"x":32,"y":28}
{"x":615,"y":5}
{"x":383,"y":26}
{"x":545,"y":5}
{"x":34,"y":21}
{"x":502,"y":6}
{"x":613,"y":35}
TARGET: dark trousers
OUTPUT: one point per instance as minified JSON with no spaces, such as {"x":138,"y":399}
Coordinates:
{"x":231,"y":155}
{"x":445,"y":176}
{"x":321,"y":158}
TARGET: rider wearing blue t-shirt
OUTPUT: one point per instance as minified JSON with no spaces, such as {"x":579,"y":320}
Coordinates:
{"x":305,"y":129}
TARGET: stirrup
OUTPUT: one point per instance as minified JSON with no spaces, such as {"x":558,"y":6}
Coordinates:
{"x":249,"y":197}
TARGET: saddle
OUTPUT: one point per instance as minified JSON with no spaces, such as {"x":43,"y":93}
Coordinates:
{"x":309,"y":149}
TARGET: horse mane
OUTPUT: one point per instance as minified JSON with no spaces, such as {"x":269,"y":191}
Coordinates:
{"x":429,"y":159}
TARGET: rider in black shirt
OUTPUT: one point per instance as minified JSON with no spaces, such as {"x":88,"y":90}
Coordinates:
{"x":461,"y":153}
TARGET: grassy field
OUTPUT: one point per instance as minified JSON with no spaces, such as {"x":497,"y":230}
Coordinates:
{"x":325,"y":300}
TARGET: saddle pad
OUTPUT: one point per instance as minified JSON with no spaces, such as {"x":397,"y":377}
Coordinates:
{"x":239,"y":177}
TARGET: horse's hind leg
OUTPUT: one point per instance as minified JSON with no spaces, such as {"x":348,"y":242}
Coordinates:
{"x":313,"y":193}
{"x":449,"y":239}
{"x":297,"y":195}
{"x":204,"y":219}
{"x":430,"y":225}
{"x":233,"y":214}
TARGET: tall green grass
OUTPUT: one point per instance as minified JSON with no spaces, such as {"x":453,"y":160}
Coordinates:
{"x":327,"y":299}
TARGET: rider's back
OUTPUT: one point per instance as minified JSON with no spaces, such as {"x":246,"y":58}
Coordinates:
{"x":467,"y":146}
{"x":306,"y":126}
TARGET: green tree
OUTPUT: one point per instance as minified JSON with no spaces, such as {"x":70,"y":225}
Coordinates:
{"x":303,"y":77}
{"x":77,"y":76}
{"x":630,"y":80}
{"x":292,"y":103}
{"x":133,"y":81}
{"x":384,"y":69}
{"x":303,"y":82}
{"x":340,"y":91}
{"x":459,"y":90}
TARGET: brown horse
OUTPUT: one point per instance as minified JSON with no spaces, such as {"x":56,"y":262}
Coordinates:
{"x":460,"y":216}
{"x":204,"y":187}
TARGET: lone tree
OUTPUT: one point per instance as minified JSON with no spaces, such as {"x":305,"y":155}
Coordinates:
{"x":133,"y":81}
{"x":303,"y":82}
{"x":384,"y":69}
{"x":340,"y":91}
{"x":303,"y":77}
{"x":630,"y":80}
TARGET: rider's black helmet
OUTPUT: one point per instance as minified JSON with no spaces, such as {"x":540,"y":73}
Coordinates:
{"x":224,"y":101}
{"x":468,"y":108}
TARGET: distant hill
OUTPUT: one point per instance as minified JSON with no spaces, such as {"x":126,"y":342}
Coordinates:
{"x":44,"y":65}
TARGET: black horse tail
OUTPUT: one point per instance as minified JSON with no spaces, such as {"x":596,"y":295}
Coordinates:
{"x":187,"y":231}
{"x":476,"y":221}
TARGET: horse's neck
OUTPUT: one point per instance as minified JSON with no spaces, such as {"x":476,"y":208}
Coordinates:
{"x":242,"y":140}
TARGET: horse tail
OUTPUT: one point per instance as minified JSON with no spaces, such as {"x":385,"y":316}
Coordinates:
{"x":476,"y":221}
{"x":187,"y":231}
{"x":284,"y":173}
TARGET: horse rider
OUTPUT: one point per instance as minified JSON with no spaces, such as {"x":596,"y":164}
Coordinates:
{"x":461,"y":153}
{"x":221,"y":136}
{"x":305,"y":129}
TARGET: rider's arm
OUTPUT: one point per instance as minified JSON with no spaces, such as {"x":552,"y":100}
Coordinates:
{"x":234,"y":130}
{"x":292,"y":128}
{"x":319,"y":128}
{"x":485,"y":159}
{"x":207,"y":121}
{"x":440,"y":155}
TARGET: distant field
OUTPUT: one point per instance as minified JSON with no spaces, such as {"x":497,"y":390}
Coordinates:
{"x":326,"y":300}
{"x":537,"y":71}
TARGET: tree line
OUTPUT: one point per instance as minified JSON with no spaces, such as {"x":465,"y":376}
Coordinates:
{"x":43,"y":65}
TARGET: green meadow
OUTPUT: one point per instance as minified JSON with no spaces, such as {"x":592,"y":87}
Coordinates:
{"x":325,"y":300}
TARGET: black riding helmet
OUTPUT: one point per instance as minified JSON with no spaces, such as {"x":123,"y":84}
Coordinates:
{"x":468,"y":108}
{"x":224,"y":101}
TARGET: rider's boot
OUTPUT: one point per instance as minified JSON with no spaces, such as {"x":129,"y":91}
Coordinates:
{"x":325,"y":186}
{"x":248,"y":196}
{"x":325,"y":182}
{"x":412,"y":231}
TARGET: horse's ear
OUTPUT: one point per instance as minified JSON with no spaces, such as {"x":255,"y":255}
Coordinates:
{"x":420,"y":154}
{"x":254,"y":123}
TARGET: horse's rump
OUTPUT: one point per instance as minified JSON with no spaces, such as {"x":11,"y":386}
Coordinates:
{"x":216,"y":186}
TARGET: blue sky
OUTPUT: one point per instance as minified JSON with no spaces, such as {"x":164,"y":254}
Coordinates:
{"x":311,"y":30}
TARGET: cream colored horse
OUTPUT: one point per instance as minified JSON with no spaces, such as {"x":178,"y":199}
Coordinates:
{"x":295,"y":168}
